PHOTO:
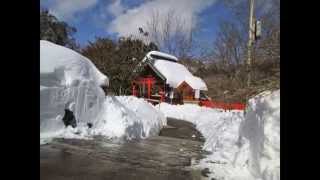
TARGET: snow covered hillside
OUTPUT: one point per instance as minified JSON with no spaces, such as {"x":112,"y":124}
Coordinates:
{"x":244,"y":146}
{"x":70,"y":81}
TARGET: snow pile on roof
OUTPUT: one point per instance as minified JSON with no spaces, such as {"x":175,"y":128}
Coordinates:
{"x":176,"y":73}
{"x":196,"y":83}
{"x":244,"y":147}
{"x":70,"y":81}
{"x":161,"y":54}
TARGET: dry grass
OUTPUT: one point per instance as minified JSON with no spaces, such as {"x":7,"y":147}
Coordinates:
{"x":231,"y":87}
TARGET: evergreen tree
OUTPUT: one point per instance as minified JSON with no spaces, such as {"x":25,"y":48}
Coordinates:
{"x":59,"y":32}
{"x":118,"y":59}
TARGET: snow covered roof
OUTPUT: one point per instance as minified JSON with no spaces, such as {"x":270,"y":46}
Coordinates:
{"x":196,"y":83}
{"x":176,"y":73}
{"x":161,"y":55}
{"x":62,"y":64}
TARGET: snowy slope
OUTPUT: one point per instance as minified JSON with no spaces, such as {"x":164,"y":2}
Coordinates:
{"x":70,"y":81}
{"x":244,"y":147}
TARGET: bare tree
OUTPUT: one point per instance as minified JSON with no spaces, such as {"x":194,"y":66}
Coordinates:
{"x":171,"y":33}
{"x":227,"y":68}
{"x":229,"y":44}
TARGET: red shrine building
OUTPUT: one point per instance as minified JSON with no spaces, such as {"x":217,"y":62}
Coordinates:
{"x":161,"y":78}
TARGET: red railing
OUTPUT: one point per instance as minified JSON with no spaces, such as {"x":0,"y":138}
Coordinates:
{"x":221,"y":105}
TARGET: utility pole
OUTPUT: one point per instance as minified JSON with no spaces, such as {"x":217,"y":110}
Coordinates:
{"x":250,"y":42}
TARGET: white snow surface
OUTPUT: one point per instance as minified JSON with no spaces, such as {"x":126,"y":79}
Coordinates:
{"x":70,"y":81}
{"x":196,"y":83}
{"x":261,"y":128}
{"x":60,"y":65}
{"x":121,"y":117}
{"x":176,"y":73}
{"x":244,"y":146}
{"x":129,"y":117}
{"x":162,"y":54}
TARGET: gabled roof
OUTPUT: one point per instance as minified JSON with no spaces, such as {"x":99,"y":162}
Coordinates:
{"x":156,"y":71}
{"x":174,"y":72}
{"x":196,"y":83}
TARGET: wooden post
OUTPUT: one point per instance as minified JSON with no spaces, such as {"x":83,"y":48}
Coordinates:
{"x":250,"y":42}
{"x":134,"y":90}
{"x":161,"y":92}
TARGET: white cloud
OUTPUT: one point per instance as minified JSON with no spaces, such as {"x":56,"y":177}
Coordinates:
{"x":66,"y":9}
{"x":127,"y":22}
{"x":116,"y":8}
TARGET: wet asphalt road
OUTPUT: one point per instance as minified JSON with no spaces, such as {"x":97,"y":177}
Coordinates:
{"x":164,"y":157}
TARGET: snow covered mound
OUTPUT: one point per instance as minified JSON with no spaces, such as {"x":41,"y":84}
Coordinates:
{"x":70,"y":81}
{"x":244,"y":147}
{"x":62,"y":66}
{"x":261,"y":128}
{"x":152,"y":118}
{"x":130,"y":118}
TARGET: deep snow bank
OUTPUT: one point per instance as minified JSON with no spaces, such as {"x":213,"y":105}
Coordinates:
{"x":129,"y":117}
{"x":261,"y":128}
{"x":121,"y":117}
{"x":243,"y":147}
{"x":68,"y":80}
{"x":220,"y":129}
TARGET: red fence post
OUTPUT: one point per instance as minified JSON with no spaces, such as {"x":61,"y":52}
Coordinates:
{"x":222,"y":105}
{"x":149,"y":87}
{"x":134,"y":93}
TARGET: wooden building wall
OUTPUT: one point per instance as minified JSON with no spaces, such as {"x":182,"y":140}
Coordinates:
{"x":186,"y":91}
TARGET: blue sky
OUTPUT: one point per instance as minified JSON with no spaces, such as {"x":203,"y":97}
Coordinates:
{"x":114,"y":18}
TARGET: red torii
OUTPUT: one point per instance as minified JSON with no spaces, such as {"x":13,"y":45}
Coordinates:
{"x":149,"y":81}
